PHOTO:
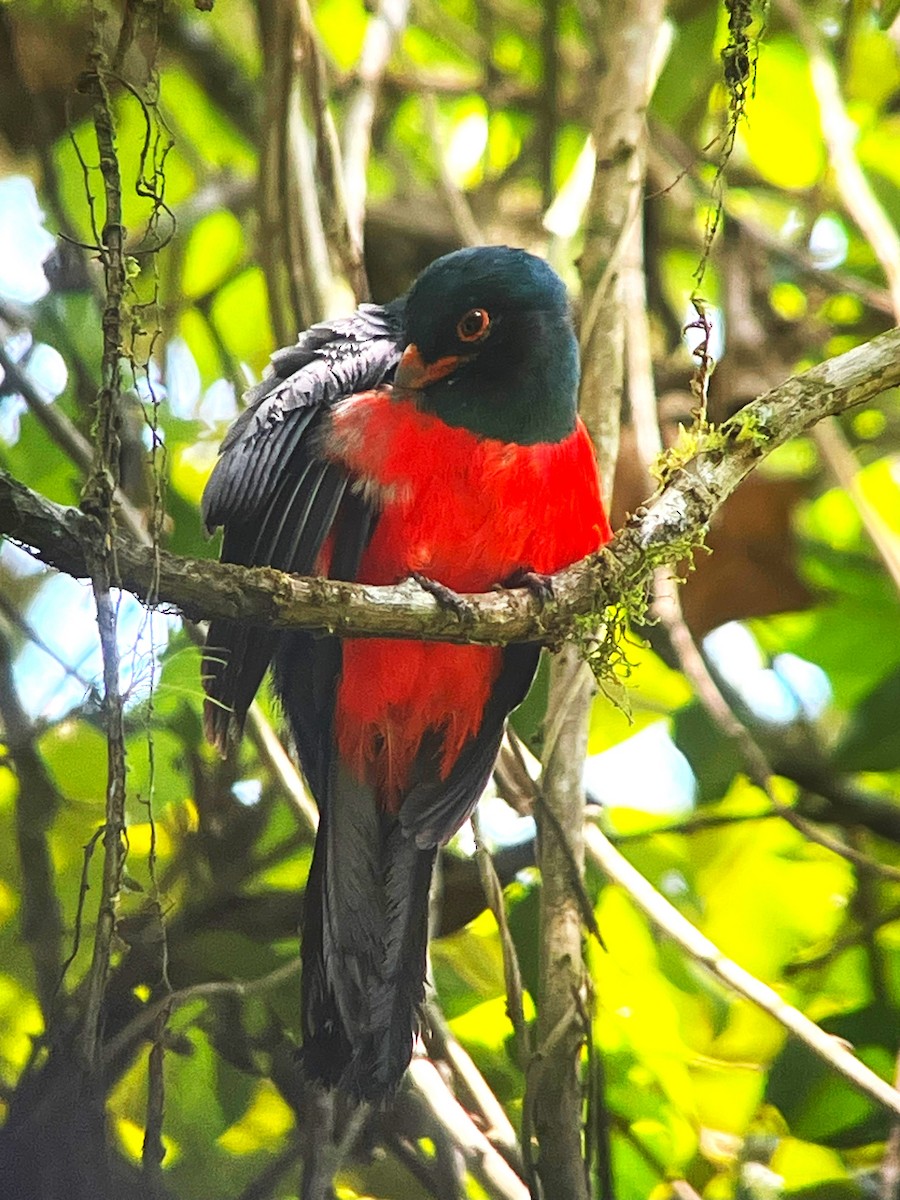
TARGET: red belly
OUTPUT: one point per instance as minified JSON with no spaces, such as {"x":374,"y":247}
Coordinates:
{"x":469,"y":513}
{"x":392,"y":692}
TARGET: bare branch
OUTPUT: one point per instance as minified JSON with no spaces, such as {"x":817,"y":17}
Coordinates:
{"x":657,"y":534}
{"x":492,"y":1171}
{"x":383,"y":30}
{"x":98,"y":498}
{"x":669,"y":921}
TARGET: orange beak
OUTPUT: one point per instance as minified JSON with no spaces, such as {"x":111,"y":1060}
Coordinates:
{"x":413,"y":374}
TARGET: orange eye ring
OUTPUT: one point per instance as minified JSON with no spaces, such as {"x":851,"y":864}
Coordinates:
{"x":473,"y":325}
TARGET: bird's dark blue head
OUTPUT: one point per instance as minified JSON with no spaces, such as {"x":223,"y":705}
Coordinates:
{"x":491,"y":346}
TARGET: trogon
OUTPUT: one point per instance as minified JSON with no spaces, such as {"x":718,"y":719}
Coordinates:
{"x":436,"y":436}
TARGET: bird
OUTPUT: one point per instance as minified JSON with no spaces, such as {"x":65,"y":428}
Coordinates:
{"x":436,"y":437}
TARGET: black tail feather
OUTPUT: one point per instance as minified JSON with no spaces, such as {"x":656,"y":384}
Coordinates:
{"x":364,"y":943}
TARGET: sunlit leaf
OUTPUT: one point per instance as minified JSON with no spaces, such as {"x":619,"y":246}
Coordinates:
{"x":783,"y":140}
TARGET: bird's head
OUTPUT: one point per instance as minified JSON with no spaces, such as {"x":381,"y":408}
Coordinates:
{"x":490,"y":345}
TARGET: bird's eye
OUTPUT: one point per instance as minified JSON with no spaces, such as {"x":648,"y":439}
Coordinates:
{"x":473,"y":326}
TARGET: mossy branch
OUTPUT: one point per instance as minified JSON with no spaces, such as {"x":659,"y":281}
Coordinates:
{"x":672,"y":524}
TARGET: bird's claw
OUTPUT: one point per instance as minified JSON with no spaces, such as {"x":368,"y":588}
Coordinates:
{"x":445,"y":597}
{"x":540,"y":586}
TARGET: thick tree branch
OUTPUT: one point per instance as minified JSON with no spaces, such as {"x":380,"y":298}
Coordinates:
{"x":676,"y":519}
{"x":627,"y":39}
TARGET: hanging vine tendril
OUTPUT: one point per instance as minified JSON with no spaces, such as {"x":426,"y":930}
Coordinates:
{"x":739,"y":61}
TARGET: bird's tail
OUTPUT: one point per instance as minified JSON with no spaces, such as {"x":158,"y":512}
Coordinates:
{"x":364,"y":943}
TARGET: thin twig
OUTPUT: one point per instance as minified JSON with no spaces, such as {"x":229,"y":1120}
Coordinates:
{"x":153,"y":1151}
{"x":669,"y":921}
{"x":139,"y":1026}
{"x":333,"y":1140}
{"x":98,"y":499}
{"x":488,"y":1167}
{"x":832,"y":444}
{"x":64,"y":433}
{"x":263,"y":1187}
{"x":36,"y":804}
{"x":285,"y":304}
{"x":840,"y":945}
{"x":302,"y":212}
{"x":343,"y":235}
{"x":890,"y":1164}
{"x":840,"y":134}
{"x":273,"y":753}
{"x":474,"y":1087}
{"x":696,"y":824}
{"x":666,"y":167}
{"x":668,"y":608}
{"x":667,"y":602}
{"x":548,"y":113}
{"x":458,"y":206}
{"x":630,"y":40}
{"x":512,"y":974}
{"x":11,"y":614}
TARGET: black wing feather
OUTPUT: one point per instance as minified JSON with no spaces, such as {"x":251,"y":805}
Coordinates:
{"x":318,"y":518}
{"x":276,"y":499}
{"x":330,"y":361}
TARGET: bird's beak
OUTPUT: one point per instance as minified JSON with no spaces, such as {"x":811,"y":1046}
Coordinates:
{"x":413,"y":373}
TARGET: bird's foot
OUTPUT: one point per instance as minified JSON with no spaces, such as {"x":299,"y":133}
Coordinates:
{"x":446,"y":597}
{"x":540,"y":586}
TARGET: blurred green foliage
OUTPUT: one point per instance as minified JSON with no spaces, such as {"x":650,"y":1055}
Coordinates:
{"x":699,"y":1085}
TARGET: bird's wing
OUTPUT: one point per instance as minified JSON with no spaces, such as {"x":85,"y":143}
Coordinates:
{"x":330,"y":361}
{"x":278,"y":499}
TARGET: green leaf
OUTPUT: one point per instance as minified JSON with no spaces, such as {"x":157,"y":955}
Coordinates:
{"x":713,"y":758}
{"x":240,"y":312}
{"x":887,"y":12}
{"x":782,"y":137}
{"x":76,"y":754}
{"x":871,"y":741}
{"x":215,"y":248}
